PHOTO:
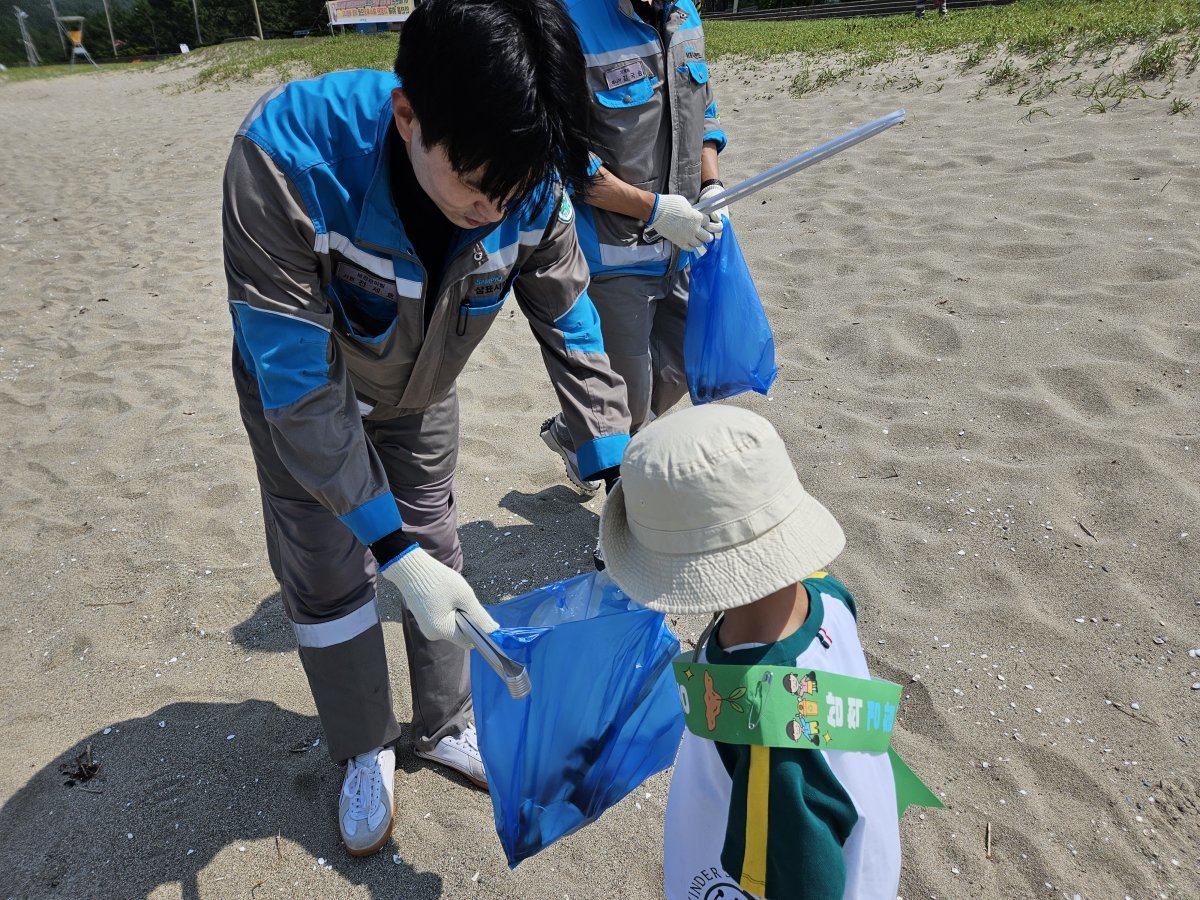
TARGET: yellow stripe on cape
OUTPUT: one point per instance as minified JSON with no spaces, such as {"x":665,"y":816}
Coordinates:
{"x":758,"y":788}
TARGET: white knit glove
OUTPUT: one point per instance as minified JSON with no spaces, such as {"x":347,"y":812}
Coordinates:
{"x":433,"y":592}
{"x":681,"y":223}
{"x":720,"y":211}
{"x":714,"y":215}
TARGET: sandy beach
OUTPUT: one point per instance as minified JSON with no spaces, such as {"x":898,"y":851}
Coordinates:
{"x":989,"y":346}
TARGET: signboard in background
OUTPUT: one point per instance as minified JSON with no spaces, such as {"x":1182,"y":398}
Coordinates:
{"x":367,"y":12}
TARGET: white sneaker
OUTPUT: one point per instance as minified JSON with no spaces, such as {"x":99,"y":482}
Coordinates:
{"x":549,"y":432}
{"x":461,"y":754}
{"x":367,"y":805}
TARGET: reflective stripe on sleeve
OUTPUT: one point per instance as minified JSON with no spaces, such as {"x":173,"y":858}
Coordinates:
{"x":410,"y":288}
{"x":612,"y":255}
{"x":369,"y":261}
{"x":338,"y":631}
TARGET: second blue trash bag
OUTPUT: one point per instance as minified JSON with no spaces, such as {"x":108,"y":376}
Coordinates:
{"x":728,"y":347}
{"x":603,"y":716}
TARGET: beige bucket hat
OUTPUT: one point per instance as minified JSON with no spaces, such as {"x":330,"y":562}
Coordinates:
{"x":710,"y":515}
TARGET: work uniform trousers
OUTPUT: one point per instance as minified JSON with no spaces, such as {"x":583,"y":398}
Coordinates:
{"x":642,"y":318}
{"x":327,"y":580}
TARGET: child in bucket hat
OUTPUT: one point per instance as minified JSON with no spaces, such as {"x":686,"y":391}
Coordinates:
{"x":710,"y":517}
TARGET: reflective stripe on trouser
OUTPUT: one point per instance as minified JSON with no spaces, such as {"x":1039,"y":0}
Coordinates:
{"x":642,"y":318}
{"x":327,"y":580}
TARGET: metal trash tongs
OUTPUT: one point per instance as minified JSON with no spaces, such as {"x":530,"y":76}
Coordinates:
{"x":516,"y":678}
{"x":792,"y":166}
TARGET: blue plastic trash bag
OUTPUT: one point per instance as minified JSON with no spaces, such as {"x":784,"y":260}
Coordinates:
{"x":603,"y":716}
{"x":727,"y":344}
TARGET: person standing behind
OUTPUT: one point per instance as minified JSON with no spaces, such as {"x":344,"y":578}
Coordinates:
{"x":374,"y":225}
{"x":656,"y":137}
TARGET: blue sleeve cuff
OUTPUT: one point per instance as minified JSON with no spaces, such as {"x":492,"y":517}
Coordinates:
{"x":600,"y":454}
{"x":594,"y":164}
{"x":716,"y":134}
{"x":374,"y":519}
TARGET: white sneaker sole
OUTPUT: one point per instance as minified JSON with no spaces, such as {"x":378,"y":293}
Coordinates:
{"x":377,"y":846}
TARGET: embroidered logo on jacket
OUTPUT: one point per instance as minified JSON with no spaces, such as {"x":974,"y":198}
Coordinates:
{"x":487,"y":285}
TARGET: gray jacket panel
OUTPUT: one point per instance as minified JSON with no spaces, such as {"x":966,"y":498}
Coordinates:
{"x":291,"y":285}
{"x":652,"y":109}
{"x":270,"y":266}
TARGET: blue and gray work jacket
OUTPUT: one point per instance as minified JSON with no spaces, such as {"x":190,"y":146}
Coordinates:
{"x":652,"y":109}
{"x":328,"y":297}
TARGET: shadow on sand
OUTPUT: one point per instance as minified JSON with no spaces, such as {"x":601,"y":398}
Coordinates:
{"x":187,"y":792}
{"x":169,"y":798}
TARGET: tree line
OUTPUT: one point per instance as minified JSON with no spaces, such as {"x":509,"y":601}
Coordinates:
{"x":145,"y":27}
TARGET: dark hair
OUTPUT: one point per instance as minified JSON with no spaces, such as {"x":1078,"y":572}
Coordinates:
{"x":500,"y":85}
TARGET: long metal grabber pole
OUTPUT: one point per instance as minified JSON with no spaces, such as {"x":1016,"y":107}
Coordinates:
{"x":801,"y":162}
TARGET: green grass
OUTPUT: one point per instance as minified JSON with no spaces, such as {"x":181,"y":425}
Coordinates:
{"x":1035,"y":28}
{"x":1191,"y":54}
{"x":810,"y":80}
{"x":1027,"y":27}
{"x":975,"y":56}
{"x":1006,"y":72}
{"x":286,"y":59}
{"x":1041,"y":31}
{"x":1157,"y":62}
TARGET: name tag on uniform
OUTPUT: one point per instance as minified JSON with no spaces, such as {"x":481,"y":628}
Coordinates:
{"x":626,"y":73}
{"x":366,"y":281}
